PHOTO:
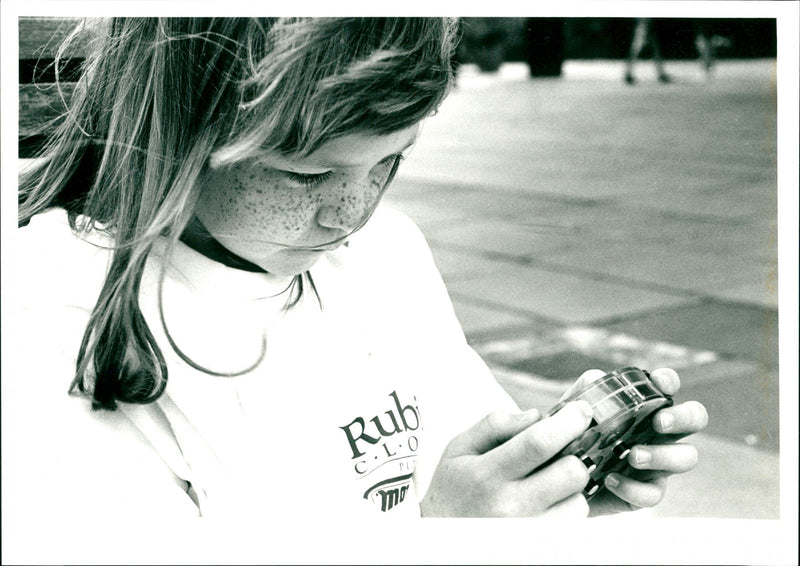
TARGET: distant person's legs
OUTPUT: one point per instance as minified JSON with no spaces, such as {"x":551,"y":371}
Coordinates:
{"x":657,"y":59}
{"x":642,"y":35}
{"x":707,"y":45}
{"x":705,"y":51}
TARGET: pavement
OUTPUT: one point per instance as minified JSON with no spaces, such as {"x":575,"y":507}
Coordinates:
{"x":580,"y":222}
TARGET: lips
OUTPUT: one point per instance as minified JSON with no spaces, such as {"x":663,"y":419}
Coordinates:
{"x":326,"y":247}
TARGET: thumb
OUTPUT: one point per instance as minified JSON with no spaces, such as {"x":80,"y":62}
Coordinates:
{"x":491,"y":431}
{"x":583,"y":381}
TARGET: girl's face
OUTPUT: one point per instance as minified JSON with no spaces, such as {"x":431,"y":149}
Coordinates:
{"x":283,"y":213}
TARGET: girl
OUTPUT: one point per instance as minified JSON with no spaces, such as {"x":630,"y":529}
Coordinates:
{"x":209,"y":264}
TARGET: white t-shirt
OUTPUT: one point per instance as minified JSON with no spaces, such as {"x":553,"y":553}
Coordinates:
{"x":346,"y":415}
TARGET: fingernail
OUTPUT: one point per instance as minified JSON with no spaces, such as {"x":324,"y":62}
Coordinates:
{"x":642,"y":456}
{"x":668,"y":380}
{"x":612,"y":481}
{"x":665,"y":421}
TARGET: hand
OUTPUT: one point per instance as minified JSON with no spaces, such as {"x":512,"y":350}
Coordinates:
{"x":655,"y":462}
{"x":486,"y":471}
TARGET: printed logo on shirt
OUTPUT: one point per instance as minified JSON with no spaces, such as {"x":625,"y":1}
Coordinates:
{"x":383,"y":449}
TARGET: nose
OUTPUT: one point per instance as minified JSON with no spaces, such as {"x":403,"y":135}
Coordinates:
{"x":348,"y":207}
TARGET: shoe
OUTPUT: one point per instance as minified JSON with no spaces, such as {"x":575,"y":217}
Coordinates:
{"x":664,"y":78}
{"x":629,"y":79}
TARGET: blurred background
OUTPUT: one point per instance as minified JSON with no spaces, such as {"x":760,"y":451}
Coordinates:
{"x":581,"y":220}
{"x":545,"y":43}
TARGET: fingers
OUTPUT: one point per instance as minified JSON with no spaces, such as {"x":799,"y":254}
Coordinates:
{"x":491,"y":431}
{"x":685,"y":418}
{"x":637,"y":493}
{"x":574,"y":506}
{"x":673,"y":458}
{"x":590,"y":375}
{"x":552,"y":488}
{"x":560,"y":480}
{"x":540,"y":442}
{"x":585,"y":379}
{"x":667,"y":380}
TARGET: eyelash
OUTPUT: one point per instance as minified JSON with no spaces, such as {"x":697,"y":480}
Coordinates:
{"x":311,"y":179}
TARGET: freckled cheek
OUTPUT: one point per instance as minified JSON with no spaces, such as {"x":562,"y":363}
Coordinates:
{"x":378,"y":180}
{"x":354,"y":199}
{"x":260,"y":205}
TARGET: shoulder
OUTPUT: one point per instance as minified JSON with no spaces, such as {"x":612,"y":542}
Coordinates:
{"x":392,"y":242}
{"x":53,"y":280}
{"x":50,"y":230}
{"x":52,"y":265}
{"x":390,"y":216}
{"x":61,"y":458}
{"x":389,"y":226}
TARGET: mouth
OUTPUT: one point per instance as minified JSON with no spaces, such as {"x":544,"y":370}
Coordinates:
{"x":324,"y":248}
{"x":309,"y":250}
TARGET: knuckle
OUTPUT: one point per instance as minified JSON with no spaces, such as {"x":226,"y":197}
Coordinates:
{"x":454,"y":447}
{"x":650,"y":495}
{"x":481,"y":478}
{"x":475,"y":477}
{"x":575,"y":473}
{"x":654,"y":498}
{"x":537,"y":443}
{"x":537,"y":501}
{"x":496,"y":422}
{"x":580,"y":506}
{"x":508,"y":506}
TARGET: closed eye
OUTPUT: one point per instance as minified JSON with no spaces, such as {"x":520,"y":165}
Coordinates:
{"x":311,"y":179}
{"x":308,"y":179}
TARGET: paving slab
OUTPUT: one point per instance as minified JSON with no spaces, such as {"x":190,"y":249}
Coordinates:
{"x":729,"y":196}
{"x":663,"y":264}
{"x":460,"y":264}
{"x":558,"y":296}
{"x":479,"y":319}
{"x":734,"y":329}
{"x":499,"y":237}
{"x":764,"y":293}
{"x":742,"y":402}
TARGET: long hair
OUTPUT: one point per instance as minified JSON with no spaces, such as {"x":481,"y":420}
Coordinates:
{"x":160,"y":98}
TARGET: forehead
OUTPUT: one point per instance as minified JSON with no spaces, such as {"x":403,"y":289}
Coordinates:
{"x":355,"y":150}
{"x":347,"y":149}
